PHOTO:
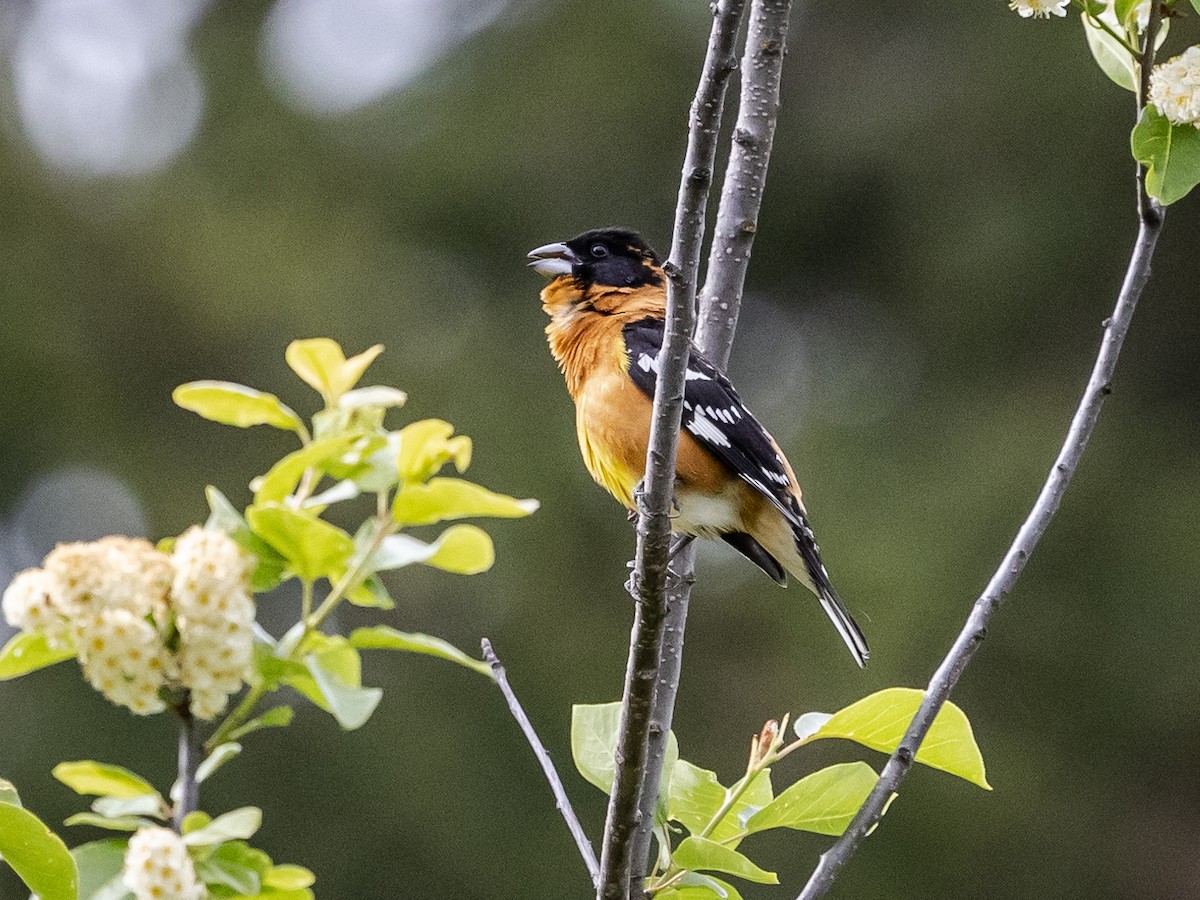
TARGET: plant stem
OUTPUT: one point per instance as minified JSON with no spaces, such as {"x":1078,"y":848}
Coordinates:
{"x":1150,"y":218}
{"x":236,"y":718}
{"x":648,"y":582}
{"x":562,"y":801}
{"x":729,"y":257}
{"x":189,"y":760}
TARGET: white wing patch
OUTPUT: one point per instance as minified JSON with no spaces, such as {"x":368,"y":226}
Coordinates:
{"x":648,"y":363}
{"x":707,"y":430}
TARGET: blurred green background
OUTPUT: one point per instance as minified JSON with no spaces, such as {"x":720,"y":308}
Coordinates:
{"x":947,"y":221}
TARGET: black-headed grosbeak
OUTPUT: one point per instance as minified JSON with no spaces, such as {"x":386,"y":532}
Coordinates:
{"x":607,"y":300}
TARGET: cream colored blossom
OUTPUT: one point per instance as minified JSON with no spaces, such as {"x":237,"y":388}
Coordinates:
{"x":1175,"y":88}
{"x":31,"y":603}
{"x":1039,"y":9}
{"x":214,"y":614}
{"x":123,"y":657}
{"x":128,"y":573}
{"x":157,"y":867}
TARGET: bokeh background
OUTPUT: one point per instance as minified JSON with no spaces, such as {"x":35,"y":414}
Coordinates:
{"x":187,"y":186}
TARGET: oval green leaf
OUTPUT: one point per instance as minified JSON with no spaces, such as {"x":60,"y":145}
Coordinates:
{"x":454,"y":498}
{"x":880,"y":720}
{"x":100,"y":864}
{"x":283,"y":477}
{"x":235,"y":404}
{"x":696,"y":795}
{"x":37,"y":855}
{"x":703,"y":855}
{"x":381,"y":637}
{"x":27,"y":652}
{"x":312,"y":547}
{"x":463,"y":550}
{"x":594,"y":746}
{"x":238,"y":824}
{"x":1171,"y":154}
{"x":351,"y":704}
{"x":824,"y":802}
{"x":86,"y":776}
{"x":289,"y":877}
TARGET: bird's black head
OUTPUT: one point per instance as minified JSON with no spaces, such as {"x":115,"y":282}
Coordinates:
{"x":611,"y":257}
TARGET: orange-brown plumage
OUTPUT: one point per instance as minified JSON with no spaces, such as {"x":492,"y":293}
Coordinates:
{"x":606,"y":301}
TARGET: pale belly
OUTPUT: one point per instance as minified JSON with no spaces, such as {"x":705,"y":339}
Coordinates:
{"x":706,"y":515}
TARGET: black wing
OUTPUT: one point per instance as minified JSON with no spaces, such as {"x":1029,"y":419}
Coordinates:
{"x":715,"y":416}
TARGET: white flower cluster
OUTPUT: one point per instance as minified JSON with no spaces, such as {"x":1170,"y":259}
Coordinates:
{"x":123,"y":606}
{"x":1039,"y":9}
{"x":214,"y":614}
{"x":1175,"y":88}
{"x":157,"y":867}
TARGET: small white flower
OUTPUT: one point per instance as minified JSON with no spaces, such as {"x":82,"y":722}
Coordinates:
{"x":123,"y":657}
{"x":1175,"y":88}
{"x":1039,"y":9}
{"x":128,"y":573}
{"x":31,"y":603}
{"x":215,"y":612}
{"x":157,"y":867}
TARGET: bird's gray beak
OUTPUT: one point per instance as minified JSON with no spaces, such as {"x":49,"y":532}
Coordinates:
{"x":552,"y":260}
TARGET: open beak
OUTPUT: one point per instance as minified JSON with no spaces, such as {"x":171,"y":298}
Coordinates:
{"x":552,"y":260}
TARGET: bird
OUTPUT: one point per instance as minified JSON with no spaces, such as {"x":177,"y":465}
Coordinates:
{"x":606,"y":299}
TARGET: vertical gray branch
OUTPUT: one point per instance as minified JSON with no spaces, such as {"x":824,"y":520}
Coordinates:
{"x":543,"y":757}
{"x":649,"y":578}
{"x":745,"y":178}
{"x":1150,"y":216}
{"x":729,"y":257}
{"x":189,"y":760}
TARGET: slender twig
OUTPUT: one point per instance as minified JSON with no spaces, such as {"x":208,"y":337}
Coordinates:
{"x":737,"y":222}
{"x":543,"y":757}
{"x":1150,"y":218}
{"x":745,"y":178}
{"x":649,"y":578}
{"x":188,"y":799}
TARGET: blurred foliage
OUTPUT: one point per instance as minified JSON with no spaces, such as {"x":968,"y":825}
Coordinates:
{"x":946,"y":224}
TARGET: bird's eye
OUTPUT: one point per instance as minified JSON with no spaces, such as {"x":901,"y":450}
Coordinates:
{"x":599,"y":251}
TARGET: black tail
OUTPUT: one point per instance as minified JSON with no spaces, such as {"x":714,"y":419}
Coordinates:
{"x":806,"y":544}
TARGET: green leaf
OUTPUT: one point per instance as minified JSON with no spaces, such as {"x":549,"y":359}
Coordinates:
{"x":27,"y":652}
{"x":426,"y":446}
{"x":381,"y":637}
{"x":283,"y":477}
{"x":696,"y":796}
{"x":112,"y":823}
{"x":350,"y":703}
{"x":324,"y":367}
{"x":312,"y":547}
{"x":100,"y":864}
{"x":87,"y":776}
{"x":239,"y":823}
{"x":1113,"y":59}
{"x":289,"y":877}
{"x":374,"y":396}
{"x":8,"y":793}
{"x":37,"y":855}
{"x":454,"y":498}
{"x":235,"y":404}
{"x":371,"y":592}
{"x":594,"y":744}
{"x":119,"y":807}
{"x":194,"y":821}
{"x":220,"y":755}
{"x":824,"y":802}
{"x":1171,"y":154}
{"x":463,"y":550}
{"x":704,"y":855}
{"x":1123,"y":9}
{"x":1196,"y":4}
{"x":237,"y":866}
{"x":276,"y":717}
{"x":694,"y":886}
{"x":268,"y":570}
{"x":880,"y":720}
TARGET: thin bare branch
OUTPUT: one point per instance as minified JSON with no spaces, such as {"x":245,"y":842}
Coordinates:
{"x":745,"y":178}
{"x":737,"y":221}
{"x":188,"y":800}
{"x":1150,"y":217}
{"x":649,"y":577}
{"x":543,"y":757}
